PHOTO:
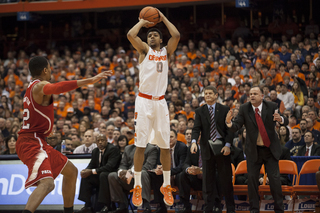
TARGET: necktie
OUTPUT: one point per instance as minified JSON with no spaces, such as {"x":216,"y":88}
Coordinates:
{"x":213,"y":131}
{"x":262,"y":129}
{"x":307,"y":152}
{"x":200,"y":164}
{"x":86,"y":150}
{"x":171,"y":150}
{"x":100,"y":157}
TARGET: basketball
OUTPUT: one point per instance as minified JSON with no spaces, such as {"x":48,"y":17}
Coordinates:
{"x":151,"y":14}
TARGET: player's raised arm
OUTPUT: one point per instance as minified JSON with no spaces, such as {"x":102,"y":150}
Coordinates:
{"x":46,"y":88}
{"x":175,"y":35}
{"x":136,"y":42}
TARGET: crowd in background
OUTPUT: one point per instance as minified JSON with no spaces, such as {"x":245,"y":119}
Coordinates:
{"x":287,"y":70}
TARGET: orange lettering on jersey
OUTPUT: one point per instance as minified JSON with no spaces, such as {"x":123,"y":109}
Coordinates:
{"x":157,"y":58}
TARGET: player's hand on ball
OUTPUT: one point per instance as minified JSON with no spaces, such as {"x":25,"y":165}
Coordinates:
{"x":146,"y":23}
{"x":161,"y":16}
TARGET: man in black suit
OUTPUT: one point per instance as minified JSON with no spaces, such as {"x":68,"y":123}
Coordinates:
{"x":262,"y":145}
{"x":178,"y":152}
{"x":104,"y":160}
{"x":310,"y":148}
{"x":118,"y":181}
{"x":210,"y":122}
{"x":190,"y":177}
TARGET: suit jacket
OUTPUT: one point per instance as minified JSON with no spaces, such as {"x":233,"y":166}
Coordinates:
{"x":191,"y":159}
{"x":246,"y":117}
{"x":150,"y":157}
{"x":180,"y":154}
{"x":110,"y":159}
{"x":315,"y":150}
{"x":202,"y":124}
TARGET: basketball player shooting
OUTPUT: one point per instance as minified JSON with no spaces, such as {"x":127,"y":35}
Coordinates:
{"x":151,"y":110}
{"x":45,"y":163}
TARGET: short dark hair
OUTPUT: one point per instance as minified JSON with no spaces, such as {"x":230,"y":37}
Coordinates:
{"x":214,"y":89}
{"x":37,"y":65}
{"x":154,"y":30}
{"x":174,"y":131}
{"x":309,"y":132}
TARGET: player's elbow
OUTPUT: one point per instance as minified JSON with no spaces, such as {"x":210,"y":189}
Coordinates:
{"x":130,"y":34}
{"x":176,"y":35}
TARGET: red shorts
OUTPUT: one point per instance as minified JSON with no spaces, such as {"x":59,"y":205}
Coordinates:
{"x":42,"y":160}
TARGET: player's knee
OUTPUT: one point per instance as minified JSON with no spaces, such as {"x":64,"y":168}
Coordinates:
{"x":49,"y":185}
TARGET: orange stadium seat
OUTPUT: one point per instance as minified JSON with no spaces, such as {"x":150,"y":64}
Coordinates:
{"x":242,"y":169}
{"x":285,"y":167}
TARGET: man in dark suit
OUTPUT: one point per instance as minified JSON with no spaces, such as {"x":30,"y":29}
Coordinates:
{"x":309,"y":148}
{"x":210,"y":122}
{"x":262,"y":145}
{"x":104,"y":160}
{"x":178,"y":152}
{"x":190,"y":177}
{"x":119,"y":183}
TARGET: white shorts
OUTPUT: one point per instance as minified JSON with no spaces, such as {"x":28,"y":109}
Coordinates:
{"x":152,"y":123}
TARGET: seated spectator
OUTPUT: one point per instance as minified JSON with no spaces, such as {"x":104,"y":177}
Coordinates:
{"x":10,"y":145}
{"x":296,"y":142}
{"x":178,"y":151}
{"x":109,"y":133}
{"x":88,"y":143}
{"x":315,"y":132}
{"x":287,"y":97}
{"x":116,"y":135}
{"x":284,"y":134}
{"x":313,"y":115}
{"x":190,"y":177}
{"x":3,"y":128}
{"x":52,"y":140}
{"x":119,"y":182}
{"x":187,"y":135}
{"x":122,"y":143}
{"x":69,"y":145}
{"x":309,"y":148}
{"x":104,"y":160}
{"x":274,"y":98}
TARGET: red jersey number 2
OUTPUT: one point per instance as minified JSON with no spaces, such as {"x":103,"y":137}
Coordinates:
{"x":26,"y":116}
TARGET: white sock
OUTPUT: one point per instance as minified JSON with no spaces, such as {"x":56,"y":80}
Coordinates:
{"x":137,"y":179}
{"x":166,"y":178}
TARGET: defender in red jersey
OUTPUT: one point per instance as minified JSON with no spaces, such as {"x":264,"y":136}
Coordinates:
{"x":45,"y":163}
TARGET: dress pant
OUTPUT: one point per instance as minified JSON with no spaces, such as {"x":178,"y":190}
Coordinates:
{"x":272,"y":169}
{"x":185,"y":182}
{"x":99,"y":181}
{"x":119,"y":188}
{"x":222,"y":164}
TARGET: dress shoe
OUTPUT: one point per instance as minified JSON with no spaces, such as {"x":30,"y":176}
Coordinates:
{"x":185,"y":210}
{"x":147,"y":211}
{"x":85,"y":210}
{"x":104,"y":210}
{"x":120,"y":211}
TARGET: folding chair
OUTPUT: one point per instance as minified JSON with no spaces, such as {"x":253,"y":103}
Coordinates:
{"x":242,"y":169}
{"x":310,"y":166}
{"x":285,"y":167}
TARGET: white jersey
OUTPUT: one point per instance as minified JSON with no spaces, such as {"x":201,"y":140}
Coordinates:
{"x":153,"y":76}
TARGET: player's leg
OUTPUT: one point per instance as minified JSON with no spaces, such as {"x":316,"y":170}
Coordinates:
{"x":162,"y":134}
{"x":142,"y":132}
{"x":45,"y":186}
{"x":70,"y":173}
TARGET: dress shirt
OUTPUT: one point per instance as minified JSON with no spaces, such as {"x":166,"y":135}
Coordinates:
{"x":81,"y":149}
{"x":100,"y":160}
